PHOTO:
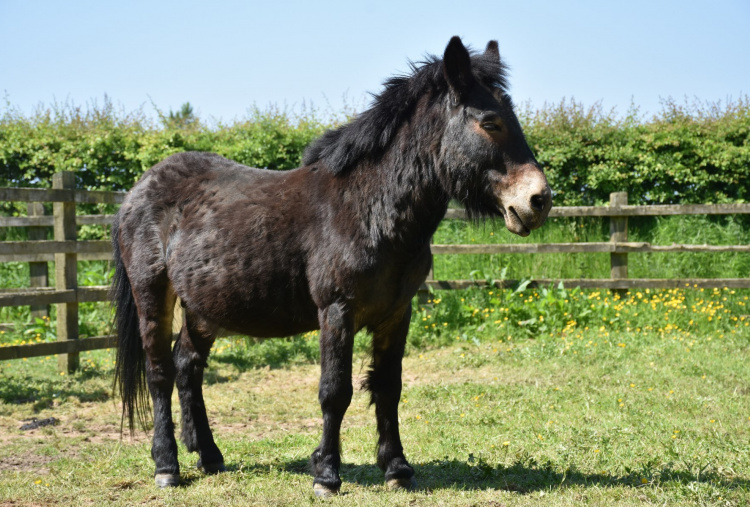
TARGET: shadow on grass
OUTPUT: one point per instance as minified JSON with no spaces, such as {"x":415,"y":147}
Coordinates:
{"x":270,"y":353}
{"x":522,"y":478}
{"x":42,"y":391}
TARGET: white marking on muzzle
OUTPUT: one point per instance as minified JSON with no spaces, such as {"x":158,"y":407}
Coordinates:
{"x":526,"y":202}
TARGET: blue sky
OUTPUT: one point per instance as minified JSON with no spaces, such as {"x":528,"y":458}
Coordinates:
{"x":226,"y":56}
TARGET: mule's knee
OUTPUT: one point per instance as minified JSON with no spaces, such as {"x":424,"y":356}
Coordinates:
{"x":335,"y":397}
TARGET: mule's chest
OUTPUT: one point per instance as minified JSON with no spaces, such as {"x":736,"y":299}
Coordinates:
{"x":391,"y":286}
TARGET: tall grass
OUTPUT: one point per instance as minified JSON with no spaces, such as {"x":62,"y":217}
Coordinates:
{"x":712,"y":230}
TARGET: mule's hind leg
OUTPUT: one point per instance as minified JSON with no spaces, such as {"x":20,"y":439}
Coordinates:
{"x":384,"y":383}
{"x":155,"y":302}
{"x":190,"y":356}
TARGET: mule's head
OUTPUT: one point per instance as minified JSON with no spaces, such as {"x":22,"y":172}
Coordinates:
{"x":484,"y":160}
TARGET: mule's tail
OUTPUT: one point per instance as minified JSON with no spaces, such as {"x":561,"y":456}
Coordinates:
{"x":130,"y":366}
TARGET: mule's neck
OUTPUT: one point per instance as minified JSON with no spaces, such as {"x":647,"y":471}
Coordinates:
{"x":400,"y":200}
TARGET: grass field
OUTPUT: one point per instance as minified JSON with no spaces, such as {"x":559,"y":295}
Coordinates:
{"x":658,"y":420}
{"x":528,"y":397}
{"x":491,"y":415}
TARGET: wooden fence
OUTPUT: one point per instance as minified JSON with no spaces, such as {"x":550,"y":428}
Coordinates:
{"x":65,"y":251}
{"x":618,"y":247}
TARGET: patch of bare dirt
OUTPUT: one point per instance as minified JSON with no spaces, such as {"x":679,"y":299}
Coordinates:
{"x":28,"y":462}
{"x":21,"y":503}
{"x":75,"y":426}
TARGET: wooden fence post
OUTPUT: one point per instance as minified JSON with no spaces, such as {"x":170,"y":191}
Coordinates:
{"x":618,"y":232}
{"x":66,"y":270}
{"x":38,"y":271}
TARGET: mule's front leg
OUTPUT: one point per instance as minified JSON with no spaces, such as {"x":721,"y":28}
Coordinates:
{"x":335,"y":394}
{"x":384,"y":382}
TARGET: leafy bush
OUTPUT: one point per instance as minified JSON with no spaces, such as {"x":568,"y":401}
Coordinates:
{"x":686,"y":153}
{"x":110,"y":149}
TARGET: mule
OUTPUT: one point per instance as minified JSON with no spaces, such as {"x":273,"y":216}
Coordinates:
{"x":340,"y":244}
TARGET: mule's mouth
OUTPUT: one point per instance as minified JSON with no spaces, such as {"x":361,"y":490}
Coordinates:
{"x":514,"y":223}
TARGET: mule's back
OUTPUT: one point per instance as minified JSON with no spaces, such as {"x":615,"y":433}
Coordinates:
{"x":219,"y":235}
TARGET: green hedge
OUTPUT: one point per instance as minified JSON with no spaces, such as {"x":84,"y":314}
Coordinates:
{"x":110,"y":151}
{"x":684,"y":154}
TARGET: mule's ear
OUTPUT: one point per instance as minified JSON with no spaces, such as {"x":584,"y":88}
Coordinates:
{"x":457,"y":68}
{"x":492,"y":51}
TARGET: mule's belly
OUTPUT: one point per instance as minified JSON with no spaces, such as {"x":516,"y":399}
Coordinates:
{"x":271,"y":326}
{"x":259,"y":290}
{"x":253,"y":311}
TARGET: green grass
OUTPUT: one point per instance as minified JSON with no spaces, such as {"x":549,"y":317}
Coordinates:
{"x":624,"y":419}
{"x":715,"y":230}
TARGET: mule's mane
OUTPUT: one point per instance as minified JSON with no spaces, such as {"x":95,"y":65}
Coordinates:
{"x":370,"y":134}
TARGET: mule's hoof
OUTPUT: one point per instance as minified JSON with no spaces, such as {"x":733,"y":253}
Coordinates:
{"x":323,"y":491}
{"x":167,"y":480}
{"x":211,"y":468}
{"x":399,"y":484}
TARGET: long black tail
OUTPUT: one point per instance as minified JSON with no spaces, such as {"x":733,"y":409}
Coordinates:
{"x":130,"y":366}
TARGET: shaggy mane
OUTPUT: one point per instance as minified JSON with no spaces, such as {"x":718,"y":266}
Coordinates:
{"x":371,"y":132}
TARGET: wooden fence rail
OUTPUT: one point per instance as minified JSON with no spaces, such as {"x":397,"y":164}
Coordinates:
{"x":65,"y":250}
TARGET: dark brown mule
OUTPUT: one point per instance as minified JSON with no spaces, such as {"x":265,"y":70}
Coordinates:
{"x":340,"y":244}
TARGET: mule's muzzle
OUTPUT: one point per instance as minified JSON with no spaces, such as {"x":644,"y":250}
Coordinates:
{"x":525,"y":199}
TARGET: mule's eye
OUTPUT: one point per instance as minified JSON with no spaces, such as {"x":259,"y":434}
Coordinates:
{"x":490,"y":126}
{"x":491,"y":123}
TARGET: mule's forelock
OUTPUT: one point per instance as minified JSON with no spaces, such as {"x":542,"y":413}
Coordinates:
{"x":370,"y":134}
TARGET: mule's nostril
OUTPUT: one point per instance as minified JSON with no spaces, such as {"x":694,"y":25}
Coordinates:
{"x":538,"y":202}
